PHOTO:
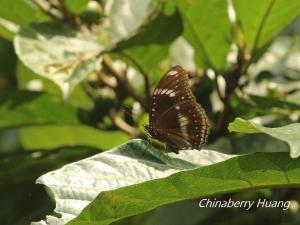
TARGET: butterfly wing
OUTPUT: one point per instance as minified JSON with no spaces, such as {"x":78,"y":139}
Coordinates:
{"x":176,"y":118}
{"x":185,"y":126}
{"x":167,"y":92}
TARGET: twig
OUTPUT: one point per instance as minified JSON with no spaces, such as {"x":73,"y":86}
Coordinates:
{"x":108,"y":82}
{"x":218,"y":88}
{"x":144,"y":74}
{"x":46,"y":8}
{"x":64,"y":15}
{"x":120,"y":123}
{"x":231,"y":80}
{"x":124,"y":82}
{"x":260,"y":28}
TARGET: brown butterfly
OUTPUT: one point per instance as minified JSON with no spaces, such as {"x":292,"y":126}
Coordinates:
{"x":175,"y":117}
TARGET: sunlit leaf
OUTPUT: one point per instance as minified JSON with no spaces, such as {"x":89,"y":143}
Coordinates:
{"x":57,"y":53}
{"x":132,"y":163}
{"x":28,"y":80}
{"x":159,"y":179}
{"x":289,"y":133}
{"x":124,"y":17}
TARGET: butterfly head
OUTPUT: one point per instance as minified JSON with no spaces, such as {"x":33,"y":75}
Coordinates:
{"x":151,"y":132}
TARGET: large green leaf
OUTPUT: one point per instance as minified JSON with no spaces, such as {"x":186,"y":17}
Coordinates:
{"x":57,"y":53}
{"x":57,"y":136}
{"x":289,"y":133}
{"x":260,"y":21}
{"x":208,"y":29}
{"x":148,"y":48}
{"x":21,"y":12}
{"x":159,"y":179}
{"x":19,"y":108}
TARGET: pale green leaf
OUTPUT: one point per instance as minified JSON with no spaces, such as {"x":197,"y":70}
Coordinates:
{"x":28,"y":80}
{"x":57,"y":53}
{"x":135,"y":178}
{"x":289,"y":133}
{"x":132,"y":163}
{"x":123,"y":18}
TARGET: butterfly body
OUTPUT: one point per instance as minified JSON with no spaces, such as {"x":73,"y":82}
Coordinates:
{"x":175,"y":117}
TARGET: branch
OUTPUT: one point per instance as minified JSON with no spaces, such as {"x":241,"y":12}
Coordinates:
{"x":62,"y":13}
{"x":124,"y":82}
{"x":144,"y":74}
{"x":106,"y":80}
{"x":221,"y":96}
{"x":120,"y":123}
{"x":232,"y":80}
{"x":46,"y":8}
{"x":260,"y":28}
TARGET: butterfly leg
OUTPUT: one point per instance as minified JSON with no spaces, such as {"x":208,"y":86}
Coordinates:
{"x":172,"y":148}
{"x":149,"y":140}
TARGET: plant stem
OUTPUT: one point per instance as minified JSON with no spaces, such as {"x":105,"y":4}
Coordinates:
{"x":121,"y":124}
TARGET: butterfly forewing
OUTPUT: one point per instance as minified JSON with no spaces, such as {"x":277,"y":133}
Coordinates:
{"x":167,"y":92}
{"x":176,"y":118}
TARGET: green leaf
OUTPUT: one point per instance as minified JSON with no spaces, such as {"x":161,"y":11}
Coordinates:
{"x":148,"y":48}
{"x":208,"y":29}
{"x":29,"y":80}
{"x":261,"y":21}
{"x":57,"y":136}
{"x":18,"y":173}
{"x":21,"y":12}
{"x":132,"y":163}
{"x":8,"y":64}
{"x":289,"y":133}
{"x":57,"y":53}
{"x":8,"y":29}
{"x":76,"y":6}
{"x":19,"y":108}
{"x":158,"y":179}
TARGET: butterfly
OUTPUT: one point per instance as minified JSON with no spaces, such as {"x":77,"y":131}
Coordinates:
{"x":175,"y":117}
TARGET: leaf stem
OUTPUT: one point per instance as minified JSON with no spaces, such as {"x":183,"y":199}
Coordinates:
{"x":260,"y":28}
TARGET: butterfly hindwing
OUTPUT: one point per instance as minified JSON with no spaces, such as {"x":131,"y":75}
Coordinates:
{"x":187,"y":121}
